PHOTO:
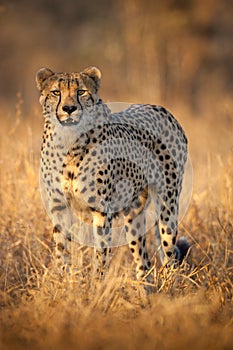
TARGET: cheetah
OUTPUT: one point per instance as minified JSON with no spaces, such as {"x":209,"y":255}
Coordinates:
{"x":103,"y":170}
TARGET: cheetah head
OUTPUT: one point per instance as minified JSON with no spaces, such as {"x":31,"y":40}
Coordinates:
{"x":67,"y":96}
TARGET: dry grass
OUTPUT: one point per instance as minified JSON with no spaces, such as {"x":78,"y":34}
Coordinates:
{"x":40,"y":309}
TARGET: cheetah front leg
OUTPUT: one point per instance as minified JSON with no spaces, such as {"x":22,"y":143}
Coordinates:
{"x":102,"y":227}
{"x":62,"y":248}
{"x":62,"y":235}
{"x":136,"y":235}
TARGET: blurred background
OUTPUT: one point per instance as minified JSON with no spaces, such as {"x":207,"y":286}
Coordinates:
{"x":176,"y":53}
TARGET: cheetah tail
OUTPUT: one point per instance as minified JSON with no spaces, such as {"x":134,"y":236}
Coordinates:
{"x":183,"y":246}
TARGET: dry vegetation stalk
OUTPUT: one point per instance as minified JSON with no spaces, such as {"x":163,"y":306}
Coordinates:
{"x":42,"y":309}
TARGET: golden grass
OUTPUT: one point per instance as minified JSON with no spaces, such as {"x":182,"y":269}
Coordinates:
{"x":40,"y":309}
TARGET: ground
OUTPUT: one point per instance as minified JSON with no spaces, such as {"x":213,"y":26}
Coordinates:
{"x":39,"y":309}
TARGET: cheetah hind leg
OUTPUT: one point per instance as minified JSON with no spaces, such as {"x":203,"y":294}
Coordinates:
{"x":171,"y":249}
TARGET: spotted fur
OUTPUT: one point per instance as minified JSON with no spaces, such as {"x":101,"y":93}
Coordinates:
{"x":101,"y":167}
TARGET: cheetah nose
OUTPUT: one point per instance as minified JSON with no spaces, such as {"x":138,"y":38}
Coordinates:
{"x":69,"y":109}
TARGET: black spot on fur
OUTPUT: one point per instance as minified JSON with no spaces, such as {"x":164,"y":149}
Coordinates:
{"x":163,"y":110}
{"x":91,"y":199}
{"x":99,"y":230}
{"x":133,"y":232}
{"x":60,"y":247}
{"x":70,"y":175}
{"x":57,"y":228}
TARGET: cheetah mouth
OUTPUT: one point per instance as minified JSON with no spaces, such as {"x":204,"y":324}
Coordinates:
{"x":68,"y":121}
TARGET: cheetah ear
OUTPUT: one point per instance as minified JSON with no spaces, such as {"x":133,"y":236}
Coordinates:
{"x":41,"y":76}
{"x":94,"y":73}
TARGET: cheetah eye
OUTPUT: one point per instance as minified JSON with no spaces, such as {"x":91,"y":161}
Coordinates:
{"x":81,"y":92}
{"x":56,"y":92}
